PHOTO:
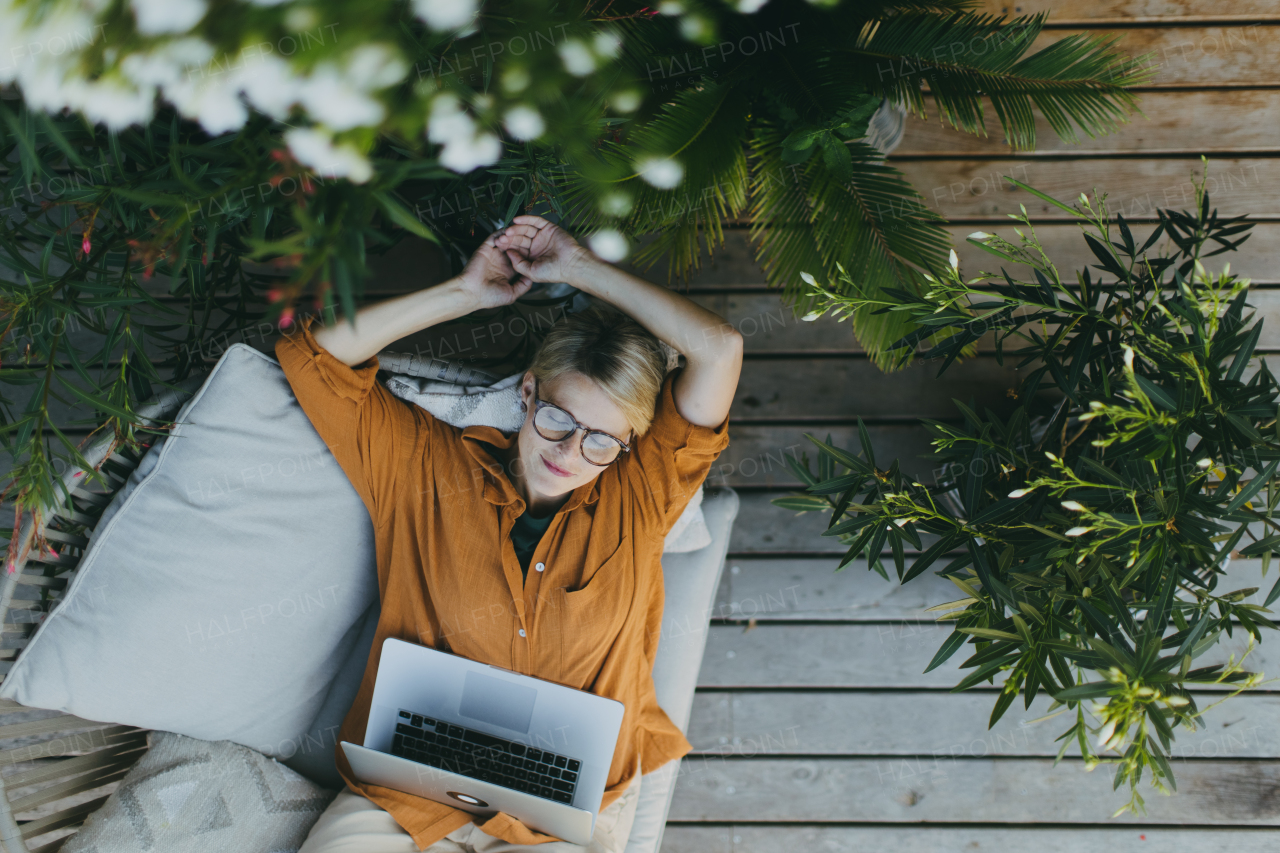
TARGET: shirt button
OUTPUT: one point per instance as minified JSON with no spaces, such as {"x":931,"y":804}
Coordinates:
{"x":521,"y":632}
{"x":540,"y":566}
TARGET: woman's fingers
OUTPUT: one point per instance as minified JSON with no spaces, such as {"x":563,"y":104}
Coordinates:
{"x":531,"y":219}
{"x":519,"y":263}
{"x":519,"y":235}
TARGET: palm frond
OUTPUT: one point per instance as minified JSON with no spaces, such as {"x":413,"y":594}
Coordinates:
{"x":1080,"y":81}
{"x":876,"y":226}
{"x":704,"y":130}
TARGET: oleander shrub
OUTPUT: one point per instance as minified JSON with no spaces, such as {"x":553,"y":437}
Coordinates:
{"x":1088,"y":528}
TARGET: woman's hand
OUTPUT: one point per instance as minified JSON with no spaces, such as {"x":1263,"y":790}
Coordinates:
{"x":540,"y":251}
{"x":487,"y":276}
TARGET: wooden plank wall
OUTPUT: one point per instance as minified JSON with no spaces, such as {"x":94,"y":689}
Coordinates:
{"x":813,"y":725}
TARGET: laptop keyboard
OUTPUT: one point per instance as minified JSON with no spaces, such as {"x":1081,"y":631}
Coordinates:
{"x":482,"y":756}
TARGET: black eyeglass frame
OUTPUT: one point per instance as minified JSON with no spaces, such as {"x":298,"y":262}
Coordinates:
{"x":539,"y":405}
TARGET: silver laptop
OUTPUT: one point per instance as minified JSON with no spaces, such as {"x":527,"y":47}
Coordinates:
{"x":485,"y":739}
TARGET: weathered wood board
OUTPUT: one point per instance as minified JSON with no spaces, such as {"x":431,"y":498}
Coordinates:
{"x":891,"y":655}
{"x":927,"y":838}
{"x":865,"y":790}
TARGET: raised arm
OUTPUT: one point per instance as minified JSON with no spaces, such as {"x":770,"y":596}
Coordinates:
{"x":542,"y":251}
{"x":483,"y":284}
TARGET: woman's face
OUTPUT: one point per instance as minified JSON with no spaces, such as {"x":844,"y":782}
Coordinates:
{"x":552,"y":468}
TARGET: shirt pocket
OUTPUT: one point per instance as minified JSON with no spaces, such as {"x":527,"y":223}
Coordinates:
{"x":591,"y":616}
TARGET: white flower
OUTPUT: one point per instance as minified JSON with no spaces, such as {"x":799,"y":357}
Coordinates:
{"x":811,"y":316}
{"x":464,"y":148}
{"x":1204,"y":463}
{"x":609,"y":245}
{"x":155,"y":17}
{"x":483,"y":150}
{"x":748,"y":7}
{"x":515,"y":79}
{"x":1074,"y":506}
{"x":445,"y":14}
{"x":626,"y":101}
{"x":607,"y":44}
{"x":953,"y":260}
{"x":447,"y":121}
{"x":661,"y":172}
{"x":116,"y":103}
{"x":980,"y":235}
{"x":695,"y":27}
{"x":341,"y":98}
{"x":576,"y":57}
{"x":617,"y":203}
{"x":524,"y":122}
{"x":271,"y":86}
{"x":331,"y":101}
{"x":375,"y":66}
{"x":1078,"y":531}
{"x":168,"y":62}
{"x":298,"y":18}
{"x":808,"y":278}
{"x":315,"y":148}
{"x":213,"y":101}
{"x":1018,"y":493}
{"x":1128,"y":357}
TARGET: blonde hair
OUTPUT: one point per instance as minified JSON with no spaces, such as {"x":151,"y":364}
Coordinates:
{"x":614,"y":351}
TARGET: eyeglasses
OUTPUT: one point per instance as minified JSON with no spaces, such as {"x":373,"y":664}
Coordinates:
{"x":555,"y":424}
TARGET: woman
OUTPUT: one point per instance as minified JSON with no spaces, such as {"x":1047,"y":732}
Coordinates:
{"x":539,"y":551}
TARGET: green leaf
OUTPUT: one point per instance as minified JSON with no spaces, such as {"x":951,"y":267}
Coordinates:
{"x":1246,"y":352}
{"x":1273,"y":595}
{"x":1091,"y":690}
{"x":801,"y":503}
{"x":1002,"y":705}
{"x":1262,"y":546}
{"x":402,"y":217}
{"x":989,"y":633}
{"x":1158,"y":395}
{"x":1255,"y":485}
{"x":950,"y":646}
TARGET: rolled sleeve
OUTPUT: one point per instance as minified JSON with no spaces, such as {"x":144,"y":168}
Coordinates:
{"x":671,"y":460}
{"x":369,"y":430}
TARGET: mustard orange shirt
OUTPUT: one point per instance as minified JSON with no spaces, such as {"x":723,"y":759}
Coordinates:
{"x":448,"y":577}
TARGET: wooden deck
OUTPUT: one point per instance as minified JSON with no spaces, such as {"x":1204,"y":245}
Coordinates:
{"x":814,"y":727}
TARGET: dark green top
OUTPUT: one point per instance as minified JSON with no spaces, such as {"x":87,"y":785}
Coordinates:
{"x":526,"y":533}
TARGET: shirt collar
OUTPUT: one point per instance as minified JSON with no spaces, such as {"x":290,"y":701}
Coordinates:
{"x":498,"y":488}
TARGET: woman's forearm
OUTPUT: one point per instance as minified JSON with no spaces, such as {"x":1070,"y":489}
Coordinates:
{"x":698,"y":334}
{"x":711,"y":346}
{"x":385,"y":322}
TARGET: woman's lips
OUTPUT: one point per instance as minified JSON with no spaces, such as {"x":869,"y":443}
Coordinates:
{"x":559,"y":472}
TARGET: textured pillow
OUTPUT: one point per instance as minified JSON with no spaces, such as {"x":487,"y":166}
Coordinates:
{"x":225,"y":587}
{"x":191,"y":796}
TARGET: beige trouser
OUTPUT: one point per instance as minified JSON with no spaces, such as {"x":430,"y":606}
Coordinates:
{"x":354,"y":824}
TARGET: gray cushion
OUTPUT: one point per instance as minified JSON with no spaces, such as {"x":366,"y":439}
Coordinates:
{"x":225,"y":587}
{"x":690,"y":581}
{"x":191,"y":796}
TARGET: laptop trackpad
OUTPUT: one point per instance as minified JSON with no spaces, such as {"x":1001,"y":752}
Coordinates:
{"x":497,"y":702}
